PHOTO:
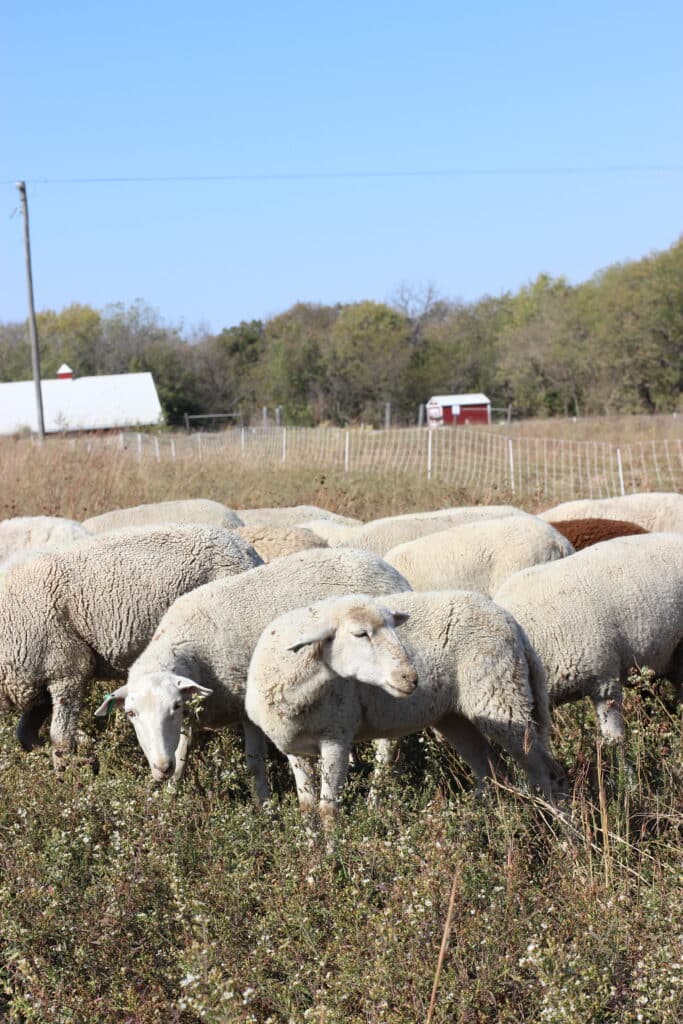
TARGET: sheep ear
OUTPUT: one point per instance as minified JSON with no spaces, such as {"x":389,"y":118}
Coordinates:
{"x":188,"y":688}
{"x":315,"y":638}
{"x":112,"y":701}
{"x":400,"y":617}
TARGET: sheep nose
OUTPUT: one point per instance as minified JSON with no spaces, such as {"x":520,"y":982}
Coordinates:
{"x":404,"y":681}
{"x":162,"y":770}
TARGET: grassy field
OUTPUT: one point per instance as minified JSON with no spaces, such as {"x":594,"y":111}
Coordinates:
{"x":129,"y":903}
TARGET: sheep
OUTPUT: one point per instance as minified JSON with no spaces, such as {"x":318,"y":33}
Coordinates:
{"x":592,"y":616}
{"x":204,"y":643}
{"x":356,"y":668}
{"x":478,"y":556}
{"x":87,"y":612}
{"x":275,"y":541}
{"x":187,"y":510}
{"x":655,"y":511}
{"x":381,"y":535}
{"x":292,"y":515}
{"x":582,"y":533}
{"x":26,"y":532}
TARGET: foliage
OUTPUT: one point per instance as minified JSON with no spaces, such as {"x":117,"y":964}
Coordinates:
{"x":611,"y":344}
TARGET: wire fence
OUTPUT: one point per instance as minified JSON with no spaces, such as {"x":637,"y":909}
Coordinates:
{"x":546,"y":468}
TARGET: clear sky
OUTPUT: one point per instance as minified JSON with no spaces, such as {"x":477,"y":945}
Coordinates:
{"x":590,"y":91}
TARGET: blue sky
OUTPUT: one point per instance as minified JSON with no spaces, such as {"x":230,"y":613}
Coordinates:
{"x":220,"y":89}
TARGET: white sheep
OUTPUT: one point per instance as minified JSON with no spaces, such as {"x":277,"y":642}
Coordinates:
{"x":186,"y":510}
{"x":25,"y":532}
{"x":593,"y":616}
{"x":275,"y":541}
{"x":478,"y":556}
{"x":291,"y":515}
{"x":381,"y":535}
{"x":204,"y":643}
{"x":336,"y":672}
{"x":88,"y":611}
{"x":655,"y":511}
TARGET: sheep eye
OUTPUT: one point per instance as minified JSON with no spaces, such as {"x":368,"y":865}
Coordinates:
{"x":362,"y":633}
{"x":178,"y":704}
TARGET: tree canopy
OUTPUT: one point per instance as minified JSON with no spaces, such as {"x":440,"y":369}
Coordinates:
{"x":613,"y":343}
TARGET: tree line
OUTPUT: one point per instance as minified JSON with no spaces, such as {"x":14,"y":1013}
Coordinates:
{"x":611,"y":344}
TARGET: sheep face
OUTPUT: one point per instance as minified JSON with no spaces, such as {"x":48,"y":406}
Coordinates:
{"x":362,"y":644}
{"x":155,"y":704}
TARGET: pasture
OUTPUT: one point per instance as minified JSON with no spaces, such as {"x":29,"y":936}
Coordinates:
{"x":122,"y":902}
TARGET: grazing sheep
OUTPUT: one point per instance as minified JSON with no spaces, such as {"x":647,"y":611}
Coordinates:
{"x":204,"y":643}
{"x":583,"y":533}
{"x":292,"y":515}
{"x":25,"y":532}
{"x":478,"y":556}
{"x":655,"y":511}
{"x":593,"y":616}
{"x":87,"y":612}
{"x":381,"y":535}
{"x":328,"y":675}
{"x":186,"y":510}
{"x":275,"y":541}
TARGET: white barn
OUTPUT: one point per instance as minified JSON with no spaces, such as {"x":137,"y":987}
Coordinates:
{"x":85,"y":403}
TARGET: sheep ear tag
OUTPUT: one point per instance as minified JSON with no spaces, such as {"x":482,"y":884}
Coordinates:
{"x":107,"y":706}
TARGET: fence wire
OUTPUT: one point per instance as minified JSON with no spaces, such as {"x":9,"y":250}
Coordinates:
{"x":550,"y":469}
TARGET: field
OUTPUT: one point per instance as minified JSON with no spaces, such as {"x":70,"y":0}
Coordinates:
{"x":126,"y":903}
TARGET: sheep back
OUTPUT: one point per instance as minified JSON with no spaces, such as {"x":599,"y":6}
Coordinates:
{"x":186,"y":510}
{"x":478,"y":556}
{"x":25,"y":532}
{"x":655,"y":510}
{"x":275,"y":541}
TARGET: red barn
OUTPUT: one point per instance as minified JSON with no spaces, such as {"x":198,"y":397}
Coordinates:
{"x":459,"y":409}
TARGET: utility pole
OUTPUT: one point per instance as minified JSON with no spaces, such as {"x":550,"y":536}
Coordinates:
{"x":35,"y":354}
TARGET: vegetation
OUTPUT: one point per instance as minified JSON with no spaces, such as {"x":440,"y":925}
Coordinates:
{"x":611,"y":344}
{"x":122,"y":901}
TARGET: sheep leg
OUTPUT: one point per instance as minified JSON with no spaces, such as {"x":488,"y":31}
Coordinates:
{"x":67,"y":699}
{"x":607,"y":700}
{"x":304,"y":778}
{"x":334,"y":766}
{"x":256,"y":749}
{"x":182,"y":751}
{"x":471,"y":744}
{"x":31,"y":721}
{"x":385,"y":755}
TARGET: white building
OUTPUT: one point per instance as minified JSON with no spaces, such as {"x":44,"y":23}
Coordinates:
{"x":86,"y":403}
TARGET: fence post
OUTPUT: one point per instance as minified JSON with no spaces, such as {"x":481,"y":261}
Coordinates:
{"x":512,"y":465}
{"x":430,"y":433}
{"x":420,"y":414}
{"x":346,"y":451}
{"x":387,"y":415}
{"x":620,"y":472}
{"x":187,"y":422}
{"x":284,"y":443}
{"x":173,"y":448}
{"x":156,"y":448}
{"x":139,"y":436}
{"x":243,"y":441}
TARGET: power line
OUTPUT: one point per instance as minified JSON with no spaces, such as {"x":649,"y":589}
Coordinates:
{"x":454,"y":172}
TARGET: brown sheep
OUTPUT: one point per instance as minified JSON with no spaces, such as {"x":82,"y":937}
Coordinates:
{"x":582,"y":533}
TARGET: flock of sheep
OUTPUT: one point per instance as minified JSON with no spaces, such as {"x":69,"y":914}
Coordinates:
{"x":317,"y":631}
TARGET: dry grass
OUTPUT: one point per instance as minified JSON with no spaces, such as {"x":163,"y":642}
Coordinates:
{"x":611,"y":429}
{"x":126,"y":903}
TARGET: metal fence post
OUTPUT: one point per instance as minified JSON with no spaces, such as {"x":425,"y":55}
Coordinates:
{"x":284,"y":443}
{"x":620,"y":472}
{"x":156,"y":448}
{"x":346,"y":451}
{"x":243,"y":441}
{"x":512,"y":465}
{"x":139,"y":436}
{"x":430,"y":432}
